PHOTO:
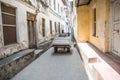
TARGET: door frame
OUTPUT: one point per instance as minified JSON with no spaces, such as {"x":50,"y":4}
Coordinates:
{"x":32,"y":18}
{"x":111,"y":27}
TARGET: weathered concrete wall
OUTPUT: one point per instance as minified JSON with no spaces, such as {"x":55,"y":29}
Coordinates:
{"x":21,"y":29}
{"x":83,"y":23}
{"x":8,"y":70}
{"x":47,"y":16}
{"x":48,"y":13}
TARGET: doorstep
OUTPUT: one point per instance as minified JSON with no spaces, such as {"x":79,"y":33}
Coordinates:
{"x":99,"y":65}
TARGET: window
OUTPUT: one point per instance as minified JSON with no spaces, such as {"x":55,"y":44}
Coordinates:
{"x":59,"y":27}
{"x":61,"y":9}
{"x":55,"y":27}
{"x":58,"y":7}
{"x":43,"y":27}
{"x":9,"y":24}
{"x":50,"y":27}
{"x":54,"y":5}
{"x":94,"y":22}
{"x":50,"y":2}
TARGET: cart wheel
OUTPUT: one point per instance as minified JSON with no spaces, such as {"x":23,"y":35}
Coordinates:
{"x":68,"y":49}
{"x":55,"y":49}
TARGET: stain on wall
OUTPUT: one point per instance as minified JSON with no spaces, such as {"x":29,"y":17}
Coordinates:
{"x":101,"y":21}
{"x":85,"y":23}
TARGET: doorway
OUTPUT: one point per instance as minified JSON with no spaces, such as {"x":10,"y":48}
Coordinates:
{"x":115,"y":28}
{"x":31,"y":29}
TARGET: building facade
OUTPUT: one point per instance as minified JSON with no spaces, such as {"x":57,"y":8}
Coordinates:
{"x":98,"y":23}
{"x":26,"y":23}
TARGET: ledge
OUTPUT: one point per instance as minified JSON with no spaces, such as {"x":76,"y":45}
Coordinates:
{"x":14,"y":57}
{"x":105,"y":72}
{"x":44,"y":45}
{"x":96,"y":65}
{"x":11,"y":65}
{"x":88,"y":54}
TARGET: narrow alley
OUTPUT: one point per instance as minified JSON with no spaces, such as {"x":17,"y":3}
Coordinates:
{"x":55,"y":66}
{"x":59,"y":39}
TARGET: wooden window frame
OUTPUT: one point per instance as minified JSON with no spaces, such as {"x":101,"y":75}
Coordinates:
{"x":94,"y":23}
{"x":59,"y":27}
{"x":58,"y":8}
{"x":49,"y":2}
{"x":55,"y":27}
{"x":7,"y":24}
{"x":43,"y":27}
{"x":54,"y":4}
{"x":61,"y":9}
{"x":50,"y":27}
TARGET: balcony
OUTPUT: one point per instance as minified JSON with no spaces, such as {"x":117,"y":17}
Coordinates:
{"x":44,"y":3}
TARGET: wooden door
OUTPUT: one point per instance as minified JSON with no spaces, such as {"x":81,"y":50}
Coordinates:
{"x":31,"y":29}
{"x":50,"y":27}
{"x":59,"y":27}
{"x":43,"y":27}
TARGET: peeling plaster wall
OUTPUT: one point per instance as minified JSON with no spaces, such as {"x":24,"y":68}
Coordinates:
{"x":102,"y":24}
{"x":8,"y":69}
{"x":48,"y":14}
{"x":107,"y":34}
{"x":85,"y":23}
{"x":21,"y":29}
{"x":21,"y":24}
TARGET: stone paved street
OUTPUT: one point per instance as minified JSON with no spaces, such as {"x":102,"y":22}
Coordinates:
{"x":54,"y":66}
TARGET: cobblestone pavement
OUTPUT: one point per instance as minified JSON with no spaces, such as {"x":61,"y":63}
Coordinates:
{"x":54,"y":66}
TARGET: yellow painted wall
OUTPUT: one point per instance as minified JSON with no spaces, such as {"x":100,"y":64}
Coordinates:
{"x":102,"y":22}
{"x":85,"y":23}
{"x":98,"y":41}
{"x":107,"y":26}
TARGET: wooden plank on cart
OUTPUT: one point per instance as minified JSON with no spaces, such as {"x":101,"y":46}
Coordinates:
{"x":61,"y":44}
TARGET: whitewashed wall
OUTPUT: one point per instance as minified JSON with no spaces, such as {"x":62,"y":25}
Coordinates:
{"x":21,"y":20}
{"x":21,"y":28}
